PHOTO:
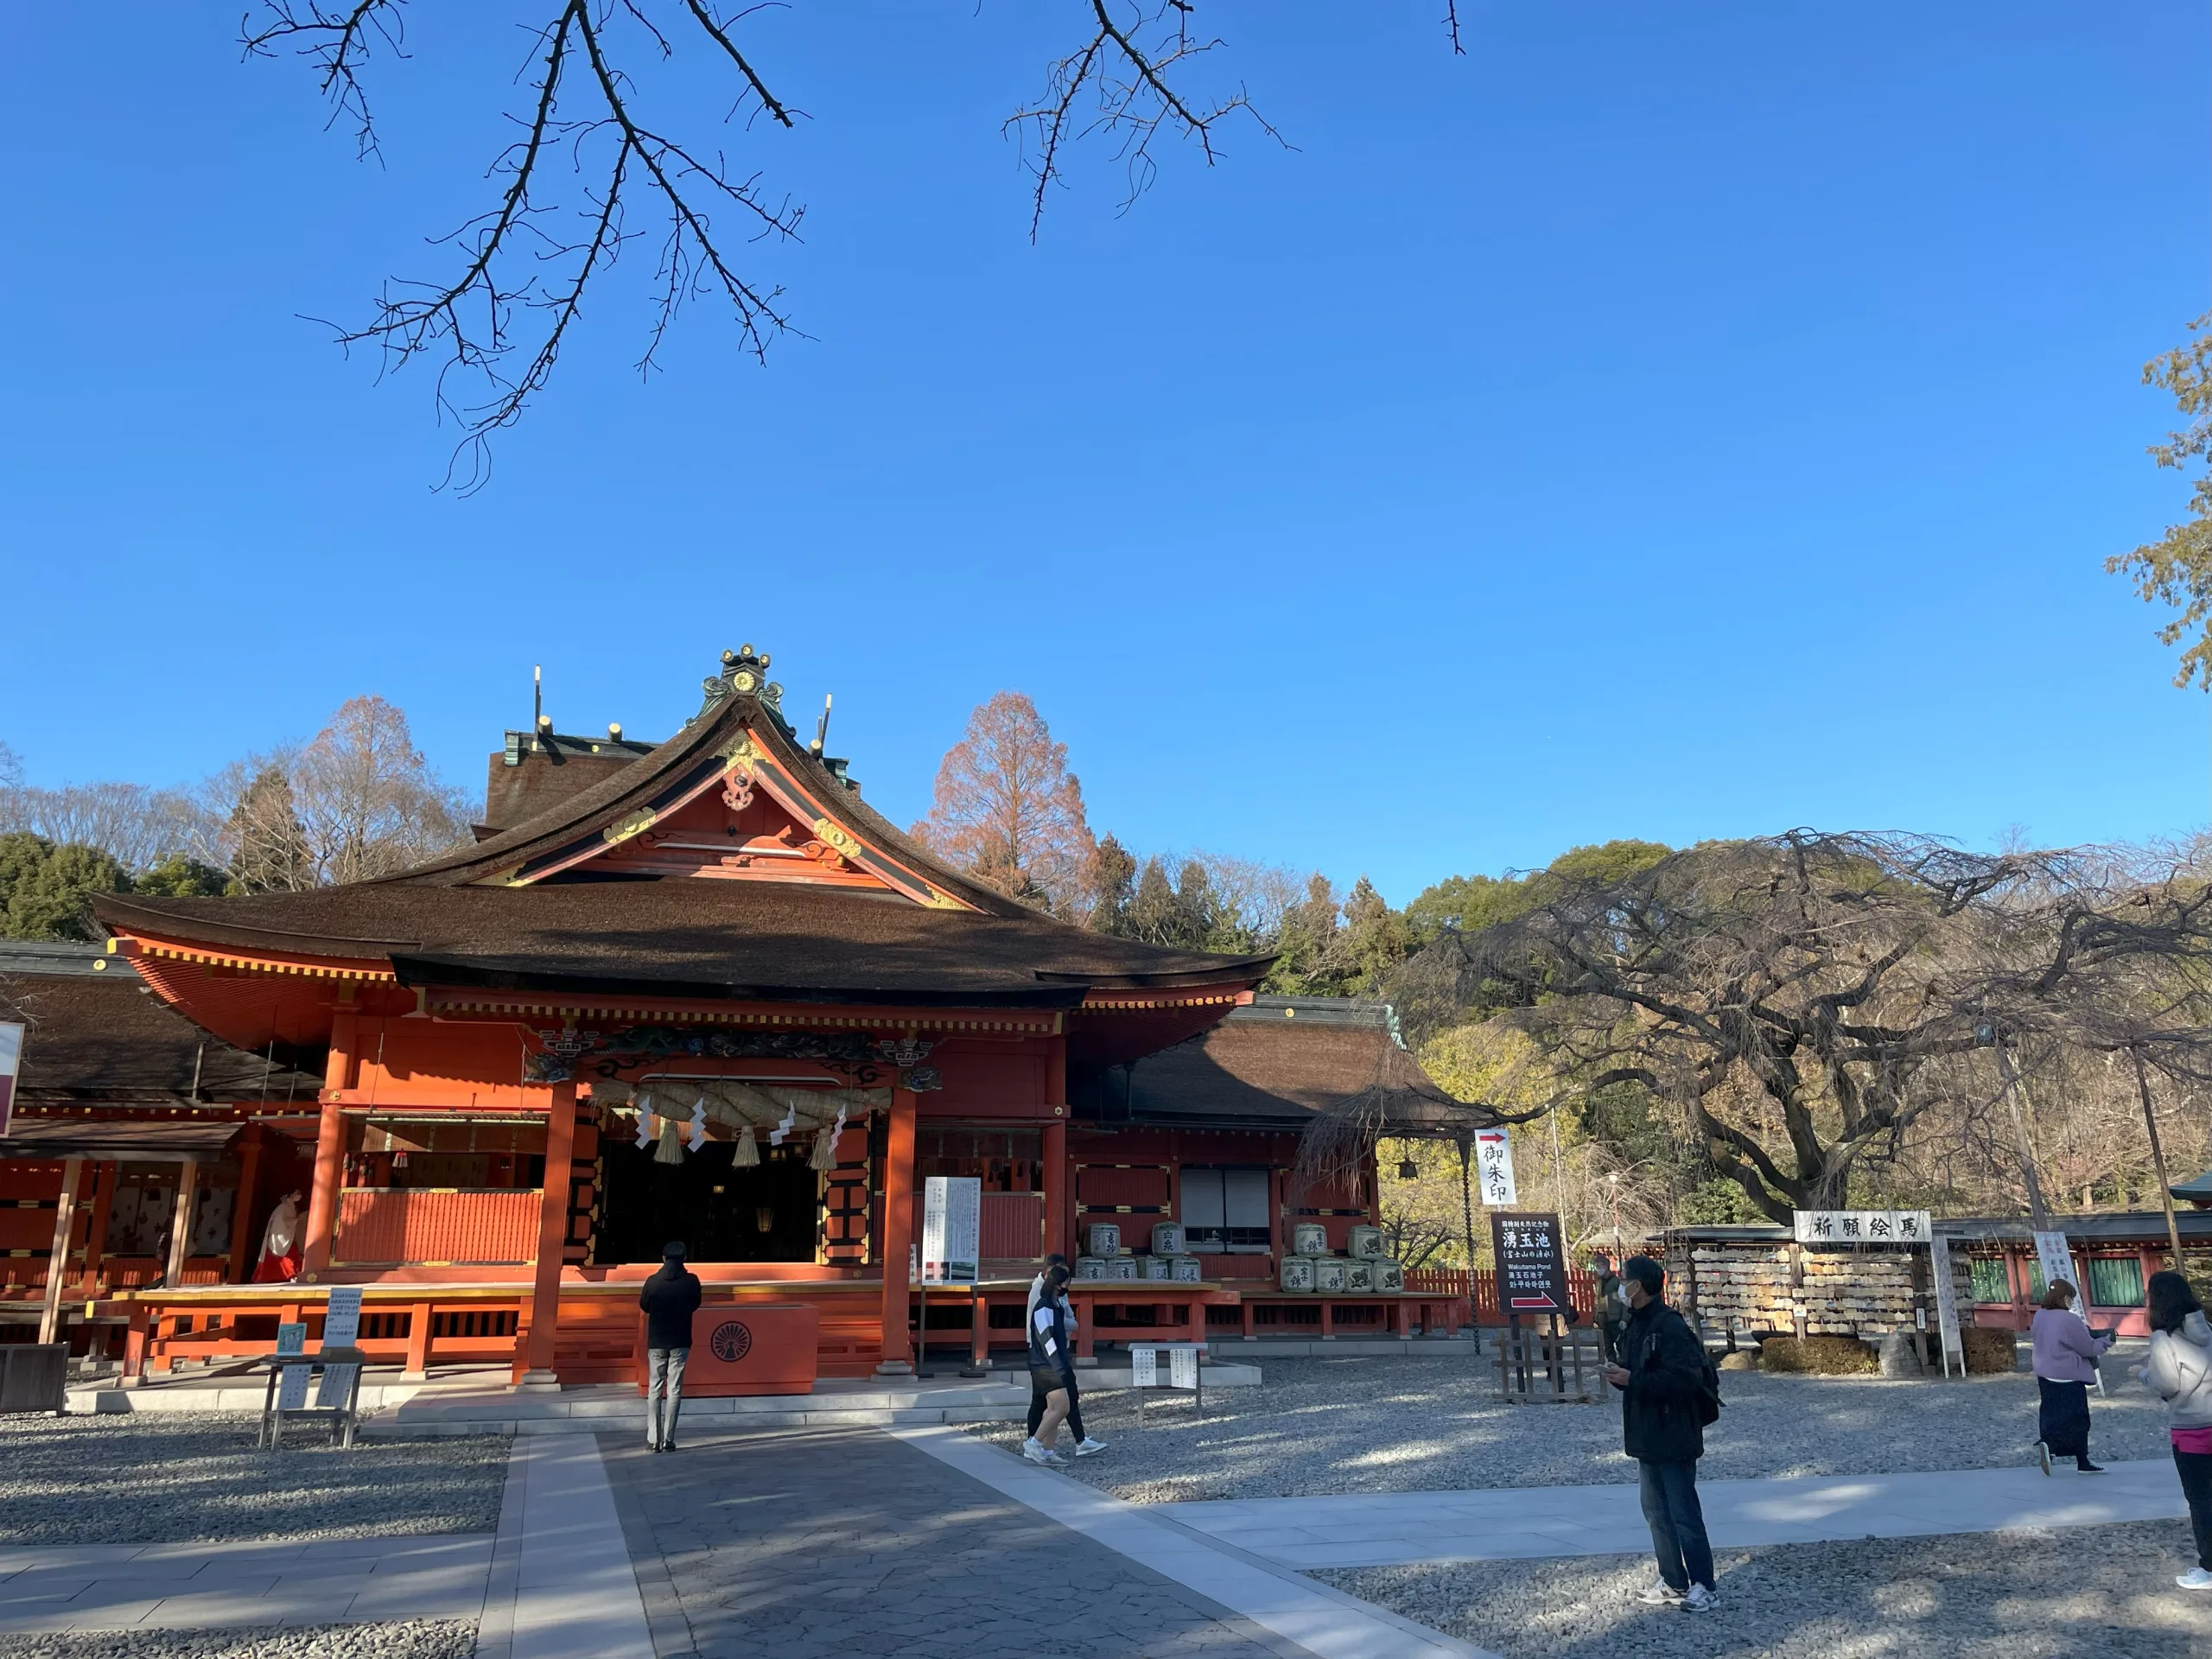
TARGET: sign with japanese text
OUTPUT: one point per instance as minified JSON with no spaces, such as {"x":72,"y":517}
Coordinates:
{"x":1531,"y":1264}
{"x":341,"y":1319}
{"x":2057,"y":1262}
{"x":1862,"y":1226}
{"x":1947,"y":1303}
{"x":11,"y":1062}
{"x":952,"y":1211}
{"x":1494,"y":1168}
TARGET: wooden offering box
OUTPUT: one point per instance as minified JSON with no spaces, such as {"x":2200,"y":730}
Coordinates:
{"x":747,"y":1349}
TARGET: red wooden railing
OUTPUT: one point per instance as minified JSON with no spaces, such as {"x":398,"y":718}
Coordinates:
{"x":1581,"y":1290}
{"x":436,"y":1227}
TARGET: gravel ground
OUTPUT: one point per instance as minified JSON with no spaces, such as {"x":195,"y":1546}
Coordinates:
{"x":183,"y":1478}
{"x":2087,"y":1592}
{"x":1372,"y":1424}
{"x":403,"y":1639}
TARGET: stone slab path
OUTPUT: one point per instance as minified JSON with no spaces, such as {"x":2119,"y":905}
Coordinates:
{"x":1408,"y":1529}
{"x":201,"y":1587}
{"x":828,"y":1544}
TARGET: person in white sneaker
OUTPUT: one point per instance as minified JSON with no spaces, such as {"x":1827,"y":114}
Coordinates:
{"x":1052,"y":1365}
{"x":2179,"y":1371}
{"x":1085,"y":1446}
{"x":1661,"y":1372}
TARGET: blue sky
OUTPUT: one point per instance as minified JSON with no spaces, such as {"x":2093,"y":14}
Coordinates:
{"x":1661,"y":421}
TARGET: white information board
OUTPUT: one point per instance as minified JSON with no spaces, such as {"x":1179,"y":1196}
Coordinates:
{"x":341,"y":1319}
{"x":11,"y":1062}
{"x":292,"y":1387}
{"x":1144,"y":1367}
{"x":1494,"y":1168}
{"x":335,"y":1387}
{"x":952,"y":1210}
{"x":1183,"y":1368}
{"x":2057,"y":1262}
{"x":1946,"y":1304}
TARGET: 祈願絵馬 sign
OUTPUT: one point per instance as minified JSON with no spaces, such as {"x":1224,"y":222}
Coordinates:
{"x":1531,"y":1264}
{"x":1862,"y":1226}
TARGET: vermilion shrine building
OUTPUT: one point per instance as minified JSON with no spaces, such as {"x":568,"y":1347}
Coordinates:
{"x":696,"y":989}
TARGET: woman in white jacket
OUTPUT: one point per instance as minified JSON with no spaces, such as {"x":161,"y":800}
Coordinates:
{"x":2179,"y":1372}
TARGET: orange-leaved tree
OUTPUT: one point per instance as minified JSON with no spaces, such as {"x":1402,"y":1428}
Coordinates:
{"x":1007,"y":810}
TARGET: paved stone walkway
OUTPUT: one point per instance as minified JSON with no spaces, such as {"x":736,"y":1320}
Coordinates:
{"x":828,"y":1544}
{"x":1408,"y":1529}
{"x":199,"y":1587}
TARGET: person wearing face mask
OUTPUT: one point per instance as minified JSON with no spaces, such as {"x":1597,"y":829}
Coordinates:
{"x":1612,"y":1304}
{"x":1666,"y":1389}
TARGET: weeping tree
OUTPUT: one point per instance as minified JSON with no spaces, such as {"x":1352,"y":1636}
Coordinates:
{"x":1802,"y":1002}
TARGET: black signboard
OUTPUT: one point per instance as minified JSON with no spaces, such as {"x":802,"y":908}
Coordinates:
{"x":1531,"y":1263}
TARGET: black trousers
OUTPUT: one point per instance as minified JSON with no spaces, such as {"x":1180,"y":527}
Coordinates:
{"x":2062,"y":1418}
{"x":1037,"y":1392}
{"x":2195,"y":1470}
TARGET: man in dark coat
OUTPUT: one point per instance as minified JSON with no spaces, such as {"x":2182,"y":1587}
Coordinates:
{"x":1661,"y":1373}
{"x":670,"y":1298}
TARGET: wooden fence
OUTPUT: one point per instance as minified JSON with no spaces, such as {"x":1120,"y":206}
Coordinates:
{"x":1581,"y":1290}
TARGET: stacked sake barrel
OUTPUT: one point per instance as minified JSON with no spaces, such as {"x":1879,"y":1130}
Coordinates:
{"x":1168,"y":1263}
{"x":1365,"y":1269}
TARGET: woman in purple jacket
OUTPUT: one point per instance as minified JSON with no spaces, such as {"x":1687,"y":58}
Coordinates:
{"x":2066,"y":1363}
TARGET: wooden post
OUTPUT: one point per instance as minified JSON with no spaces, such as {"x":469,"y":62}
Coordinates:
{"x":419,"y":1320}
{"x":2158,"y":1164}
{"x":552,"y":1233}
{"x":104,"y":1175}
{"x":243,"y":1237}
{"x":57,"y":1261}
{"x":188,"y":1190}
{"x":1059,"y":1224}
{"x":329,"y":1144}
{"x":898,"y":1234}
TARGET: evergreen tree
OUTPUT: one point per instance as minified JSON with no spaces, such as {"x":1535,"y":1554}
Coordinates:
{"x":1374,"y":941}
{"x":271,"y":842}
{"x":1111,"y":879}
{"x":1307,"y":962}
{"x":179,"y":877}
{"x":44,"y":888}
{"x":1155,"y":914}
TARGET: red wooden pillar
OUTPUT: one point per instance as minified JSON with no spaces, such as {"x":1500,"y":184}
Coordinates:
{"x":329,"y":1143}
{"x":243,"y":1238}
{"x":1059,"y":1214}
{"x":552,"y":1234}
{"x":1057,"y":1222}
{"x":897,"y":1234}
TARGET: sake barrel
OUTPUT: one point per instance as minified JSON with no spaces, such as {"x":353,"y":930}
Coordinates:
{"x":1295,"y":1273}
{"x":1184,"y":1270}
{"x":1154,"y":1266}
{"x":1120,"y":1266}
{"x":1105,"y":1237}
{"x":1309,"y":1238}
{"x":1367,"y":1243}
{"x":1389,"y":1277}
{"x":1090,"y":1267}
{"x":1329,"y":1273}
{"x":1167,"y":1238}
{"x":1359,"y":1275}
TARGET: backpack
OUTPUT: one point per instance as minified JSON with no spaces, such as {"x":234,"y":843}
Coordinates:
{"x":1708,"y":1399}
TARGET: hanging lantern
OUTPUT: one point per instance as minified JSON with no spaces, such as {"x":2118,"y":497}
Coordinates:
{"x":1409,"y":1170}
{"x":764,"y":1220}
{"x":748,"y":1154}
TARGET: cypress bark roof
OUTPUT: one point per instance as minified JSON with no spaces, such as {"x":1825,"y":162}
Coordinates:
{"x":107,"y":1038}
{"x":1280,"y":1062}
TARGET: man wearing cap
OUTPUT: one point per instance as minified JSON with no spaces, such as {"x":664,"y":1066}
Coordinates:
{"x":1660,"y":1370}
{"x":670,"y":1298}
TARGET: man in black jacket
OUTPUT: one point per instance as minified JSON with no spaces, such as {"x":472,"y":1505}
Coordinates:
{"x":1661,"y":1375}
{"x":670,"y":1298}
